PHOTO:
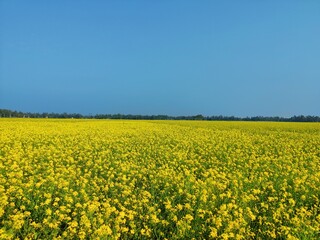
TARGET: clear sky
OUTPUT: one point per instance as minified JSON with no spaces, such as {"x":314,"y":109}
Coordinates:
{"x":241,"y":58}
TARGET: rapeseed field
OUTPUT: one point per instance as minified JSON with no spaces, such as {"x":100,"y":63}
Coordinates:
{"x":115,"y":179}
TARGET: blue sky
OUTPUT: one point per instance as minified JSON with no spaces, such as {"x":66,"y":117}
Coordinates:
{"x":241,"y":58}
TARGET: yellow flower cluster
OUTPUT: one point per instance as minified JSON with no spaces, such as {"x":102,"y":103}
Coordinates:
{"x":114,"y":179}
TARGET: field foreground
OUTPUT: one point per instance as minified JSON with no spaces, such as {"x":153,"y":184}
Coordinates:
{"x":91,"y":179}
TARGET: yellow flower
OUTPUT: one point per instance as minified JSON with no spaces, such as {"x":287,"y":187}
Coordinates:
{"x":48,"y":212}
{"x":213,"y":232}
{"x":188,"y":217}
{"x":17,"y":220}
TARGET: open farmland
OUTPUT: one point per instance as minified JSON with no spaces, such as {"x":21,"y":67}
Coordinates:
{"x":91,"y":179}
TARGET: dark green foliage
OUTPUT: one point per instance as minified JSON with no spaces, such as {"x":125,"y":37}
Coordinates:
{"x":9,"y":113}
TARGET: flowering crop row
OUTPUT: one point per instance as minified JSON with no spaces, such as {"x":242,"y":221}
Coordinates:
{"x":103,"y":179}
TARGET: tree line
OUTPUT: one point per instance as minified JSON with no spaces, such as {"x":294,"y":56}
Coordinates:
{"x":6,"y":113}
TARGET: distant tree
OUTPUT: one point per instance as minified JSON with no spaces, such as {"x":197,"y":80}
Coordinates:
{"x":198,"y":117}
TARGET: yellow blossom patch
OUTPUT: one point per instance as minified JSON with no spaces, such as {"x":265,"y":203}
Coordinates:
{"x":114,"y":179}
